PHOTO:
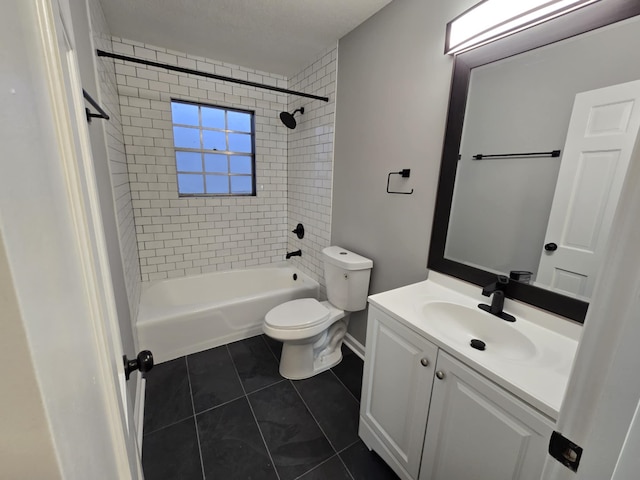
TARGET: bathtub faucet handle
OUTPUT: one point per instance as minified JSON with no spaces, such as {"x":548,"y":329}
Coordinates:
{"x":299,"y":231}
{"x":297,"y":253}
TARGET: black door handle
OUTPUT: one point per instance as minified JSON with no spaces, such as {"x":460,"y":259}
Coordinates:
{"x":551,"y":247}
{"x":143,"y":362}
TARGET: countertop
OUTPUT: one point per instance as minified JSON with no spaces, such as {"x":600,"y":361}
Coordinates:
{"x":540,"y":381}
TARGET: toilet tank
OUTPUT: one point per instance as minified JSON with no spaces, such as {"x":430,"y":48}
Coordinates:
{"x":346,"y":275}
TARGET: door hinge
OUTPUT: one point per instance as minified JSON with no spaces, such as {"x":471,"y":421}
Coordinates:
{"x":565,"y":451}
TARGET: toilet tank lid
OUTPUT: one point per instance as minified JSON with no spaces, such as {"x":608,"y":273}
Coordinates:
{"x":343,"y":258}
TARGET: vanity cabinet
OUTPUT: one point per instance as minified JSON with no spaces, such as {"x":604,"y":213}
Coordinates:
{"x":431,"y":417}
{"x":398,"y":374}
{"x":478,"y":430}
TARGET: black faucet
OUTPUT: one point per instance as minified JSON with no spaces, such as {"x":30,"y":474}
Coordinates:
{"x":297,"y":253}
{"x":497,"y":289}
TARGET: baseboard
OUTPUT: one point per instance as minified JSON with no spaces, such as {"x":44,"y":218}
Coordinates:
{"x":354,"y":345}
{"x":138,"y":410}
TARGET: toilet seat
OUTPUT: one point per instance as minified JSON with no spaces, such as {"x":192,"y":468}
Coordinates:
{"x":297,"y":314}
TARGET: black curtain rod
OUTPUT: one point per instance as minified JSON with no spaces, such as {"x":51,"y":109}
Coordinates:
{"x":102,"y":53}
{"x":101,"y":113}
{"x":553,"y":153}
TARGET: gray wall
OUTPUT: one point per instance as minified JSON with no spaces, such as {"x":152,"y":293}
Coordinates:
{"x":393,"y":89}
{"x":523,"y":104}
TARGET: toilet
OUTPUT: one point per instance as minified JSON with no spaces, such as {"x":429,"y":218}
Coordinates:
{"x":311,"y":331}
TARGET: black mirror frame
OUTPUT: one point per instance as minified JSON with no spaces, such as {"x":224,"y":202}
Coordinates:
{"x":599,"y":14}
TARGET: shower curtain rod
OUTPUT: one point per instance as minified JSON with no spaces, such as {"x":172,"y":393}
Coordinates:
{"x":102,"y":53}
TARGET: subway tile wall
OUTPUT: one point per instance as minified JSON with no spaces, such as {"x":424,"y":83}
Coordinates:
{"x":117,"y":159}
{"x":310,"y":166}
{"x":187,"y":236}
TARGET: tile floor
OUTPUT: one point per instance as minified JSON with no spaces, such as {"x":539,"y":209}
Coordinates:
{"x":226,"y":414}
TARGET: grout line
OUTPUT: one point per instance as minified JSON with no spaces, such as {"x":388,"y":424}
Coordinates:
{"x":346,"y":388}
{"x":267,"y":386}
{"x":165,"y":426}
{"x":195,"y":420}
{"x":349,"y":446}
{"x":219,"y":405}
{"x":342,"y":461}
{"x":316,"y":467}
{"x":255,"y":419}
{"x":325,"y":436}
{"x":309,"y":410}
{"x":313,"y":416}
{"x":269,"y":348}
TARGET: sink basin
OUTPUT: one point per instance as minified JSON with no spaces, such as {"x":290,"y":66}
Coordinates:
{"x":461,"y":324}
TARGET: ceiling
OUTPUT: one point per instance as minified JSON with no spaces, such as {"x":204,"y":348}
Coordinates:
{"x":276,"y":36}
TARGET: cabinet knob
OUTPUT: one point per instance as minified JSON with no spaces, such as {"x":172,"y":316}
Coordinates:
{"x":440,"y":374}
{"x":424,"y":362}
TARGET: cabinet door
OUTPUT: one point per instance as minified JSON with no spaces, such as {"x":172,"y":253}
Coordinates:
{"x":476,"y":430}
{"x":398,"y":375}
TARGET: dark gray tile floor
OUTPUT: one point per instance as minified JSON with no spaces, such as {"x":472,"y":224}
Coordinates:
{"x":226,"y":414}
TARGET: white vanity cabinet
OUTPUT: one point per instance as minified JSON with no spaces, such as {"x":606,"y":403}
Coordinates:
{"x":477,"y":430}
{"x":442,"y":420}
{"x":396,"y":385}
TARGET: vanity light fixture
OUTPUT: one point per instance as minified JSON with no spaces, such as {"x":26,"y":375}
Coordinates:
{"x":490,"y":20}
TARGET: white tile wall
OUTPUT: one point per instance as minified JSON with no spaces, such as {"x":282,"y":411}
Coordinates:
{"x":117,"y":160}
{"x":185,"y":236}
{"x":310,"y":162}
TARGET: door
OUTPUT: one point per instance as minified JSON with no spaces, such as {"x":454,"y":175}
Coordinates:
{"x":51,"y":226}
{"x":602,"y":132}
{"x":397,"y":379}
{"x":476,"y":430}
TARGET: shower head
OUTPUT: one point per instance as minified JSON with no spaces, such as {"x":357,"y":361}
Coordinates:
{"x":288,"y":119}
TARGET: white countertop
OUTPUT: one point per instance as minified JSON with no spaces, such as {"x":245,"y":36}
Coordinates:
{"x":540,"y":381}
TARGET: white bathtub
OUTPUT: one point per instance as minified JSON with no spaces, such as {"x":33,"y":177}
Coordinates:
{"x":186,"y":315}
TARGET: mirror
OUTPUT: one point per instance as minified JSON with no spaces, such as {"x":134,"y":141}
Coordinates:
{"x":516,"y":97}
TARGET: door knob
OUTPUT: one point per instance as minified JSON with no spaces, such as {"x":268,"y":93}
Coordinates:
{"x":143,"y":362}
{"x":424,"y":362}
{"x":551,"y":247}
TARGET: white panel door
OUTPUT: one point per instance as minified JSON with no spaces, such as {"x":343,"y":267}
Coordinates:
{"x":53,"y":233}
{"x":476,"y":430}
{"x":602,"y":132}
{"x":397,"y":379}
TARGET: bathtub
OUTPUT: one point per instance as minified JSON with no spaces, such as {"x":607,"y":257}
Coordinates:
{"x":185,"y":315}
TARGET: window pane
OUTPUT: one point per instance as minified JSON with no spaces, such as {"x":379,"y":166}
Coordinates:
{"x":215,"y":163}
{"x":217,"y":184}
{"x":184,"y":113}
{"x":188,"y":162}
{"x":241,"y":184}
{"x":190,"y":183}
{"x":213,"y":118}
{"x":186,"y":137}
{"x":214,"y":140}
{"x":239,"y":142}
{"x":239,"y":121}
{"x":240,"y":164}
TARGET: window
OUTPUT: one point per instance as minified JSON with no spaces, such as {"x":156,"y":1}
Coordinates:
{"x":214,"y":150}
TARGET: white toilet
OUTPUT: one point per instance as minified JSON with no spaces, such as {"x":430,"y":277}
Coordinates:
{"x":312,"y":331}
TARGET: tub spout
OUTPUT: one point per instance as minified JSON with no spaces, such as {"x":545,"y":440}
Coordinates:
{"x":297,"y":253}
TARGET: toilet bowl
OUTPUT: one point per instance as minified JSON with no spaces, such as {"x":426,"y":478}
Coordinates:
{"x":312,"y":331}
